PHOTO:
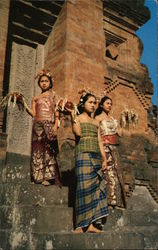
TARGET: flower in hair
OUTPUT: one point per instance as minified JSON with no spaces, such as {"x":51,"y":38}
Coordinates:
{"x":43,"y":72}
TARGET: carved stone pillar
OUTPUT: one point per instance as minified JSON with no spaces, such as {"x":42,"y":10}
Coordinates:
{"x":19,"y":123}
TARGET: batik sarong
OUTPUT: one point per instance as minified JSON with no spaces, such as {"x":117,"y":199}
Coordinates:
{"x":44,"y":157}
{"x":113,"y":178}
{"x":91,"y":203}
{"x":113,"y":174}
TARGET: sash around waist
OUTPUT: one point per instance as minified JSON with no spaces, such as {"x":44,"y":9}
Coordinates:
{"x":110,"y":139}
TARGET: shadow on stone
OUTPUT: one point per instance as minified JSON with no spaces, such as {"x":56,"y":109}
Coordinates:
{"x":69,"y":180}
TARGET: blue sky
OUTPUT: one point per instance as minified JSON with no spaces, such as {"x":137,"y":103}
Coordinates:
{"x":148,"y":34}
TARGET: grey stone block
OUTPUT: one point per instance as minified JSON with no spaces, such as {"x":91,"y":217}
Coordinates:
{"x":6,"y":217}
{"x":137,"y":218}
{"x":24,"y":194}
{"x":6,"y":194}
{"x":114,"y":219}
{"x":67,"y":155}
{"x":107,"y":240}
{"x":17,"y":169}
{"x":4,"y":236}
{"x":51,"y":219}
{"x":36,"y":218}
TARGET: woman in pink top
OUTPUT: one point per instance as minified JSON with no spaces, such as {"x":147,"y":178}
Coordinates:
{"x":44,"y":166}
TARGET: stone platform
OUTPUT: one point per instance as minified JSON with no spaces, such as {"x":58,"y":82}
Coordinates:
{"x":36,"y":217}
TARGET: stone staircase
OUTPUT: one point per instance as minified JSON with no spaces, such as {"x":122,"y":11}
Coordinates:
{"x":36,"y":217}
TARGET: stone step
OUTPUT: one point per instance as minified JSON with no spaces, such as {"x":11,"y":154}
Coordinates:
{"x":17,"y":172}
{"x":36,"y":218}
{"x":120,"y":218}
{"x":142,"y":200}
{"x":21,"y":199}
{"x":24,"y":194}
{"x":42,"y":218}
{"x":129,"y":238}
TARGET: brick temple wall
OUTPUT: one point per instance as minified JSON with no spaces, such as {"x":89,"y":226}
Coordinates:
{"x":125,"y":78}
{"x":55,"y":52}
{"x":74,"y":52}
{"x":4,"y":15}
{"x":75,"y":49}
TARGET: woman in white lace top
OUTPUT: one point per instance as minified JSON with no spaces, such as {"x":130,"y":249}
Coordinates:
{"x":113,"y":175}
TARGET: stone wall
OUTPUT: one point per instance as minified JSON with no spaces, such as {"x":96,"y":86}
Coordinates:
{"x":74,"y":52}
{"x":54,"y":52}
{"x":126,"y":80}
{"x":85,"y":47}
{"x":75,"y":48}
{"x":124,"y":97}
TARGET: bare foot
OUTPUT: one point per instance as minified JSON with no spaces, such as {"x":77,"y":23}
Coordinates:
{"x":93,"y":229}
{"x":120,"y":208}
{"x":46,"y":183}
{"x":78,"y":231}
{"x":110,"y":207}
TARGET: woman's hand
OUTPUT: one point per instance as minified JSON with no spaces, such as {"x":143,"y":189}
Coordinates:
{"x":71,"y":111}
{"x":104,"y":165}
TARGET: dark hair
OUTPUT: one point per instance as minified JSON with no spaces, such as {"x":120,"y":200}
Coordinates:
{"x":82,"y":101}
{"x":50,"y":80}
{"x":100,"y":106}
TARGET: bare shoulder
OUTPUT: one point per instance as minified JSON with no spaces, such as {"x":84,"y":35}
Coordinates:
{"x":96,"y":122}
{"x":98,"y":118}
{"x":80,"y":118}
{"x":52,"y":93}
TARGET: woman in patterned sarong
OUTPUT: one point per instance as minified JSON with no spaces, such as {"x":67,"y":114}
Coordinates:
{"x":91,"y":203}
{"x":113,"y":175}
{"x":44,"y":155}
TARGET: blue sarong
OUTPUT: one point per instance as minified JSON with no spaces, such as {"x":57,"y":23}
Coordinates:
{"x":91,"y":199}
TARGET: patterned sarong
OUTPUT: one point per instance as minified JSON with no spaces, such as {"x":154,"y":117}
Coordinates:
{"x":44,"y":155}
{"x":91,"y":203}
{"x":113,"y":178}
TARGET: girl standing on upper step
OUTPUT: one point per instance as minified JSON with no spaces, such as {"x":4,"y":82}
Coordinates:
{"x":44,"y":155}
{"x":113,"y":174}
{"x":91,"y":204}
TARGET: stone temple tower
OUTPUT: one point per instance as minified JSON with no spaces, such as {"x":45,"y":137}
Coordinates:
{"x":84,"y":43}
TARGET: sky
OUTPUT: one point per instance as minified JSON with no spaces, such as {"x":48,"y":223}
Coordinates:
{"x":148,"y":34}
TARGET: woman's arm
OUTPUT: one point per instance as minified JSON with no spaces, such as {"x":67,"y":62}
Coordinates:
{"x":104,"y":163}
{"x":76,"y":127}
{"x":75,"y":122}
{"x":119,"y":131}
{"x":31,"y":111}
{"x":57,"y":119}
{"x":56,"y":124}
